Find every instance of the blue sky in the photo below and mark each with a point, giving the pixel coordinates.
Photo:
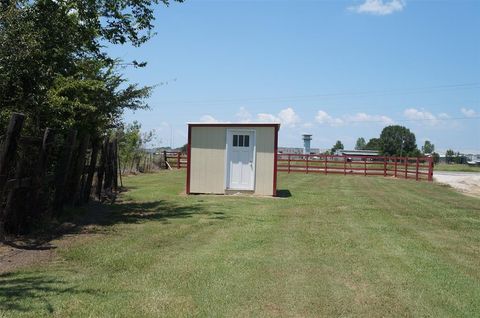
(336, 69)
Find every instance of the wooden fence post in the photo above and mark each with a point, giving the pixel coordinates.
(9, 149)
(91, 171)
(101, 169)
(307, 164)
(78, 171)
(289, 159)
(365, 166)
(430, 169)
(178, 160)
(384, 166)
(406, 167)
(416, 170)
(62, 173)
(395, 158)
(165, 159)
(326, 161)
(40, 170)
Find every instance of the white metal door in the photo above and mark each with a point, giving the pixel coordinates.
(240, 159)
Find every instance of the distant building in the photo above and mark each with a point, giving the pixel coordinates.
(343, 152)
(296, 151)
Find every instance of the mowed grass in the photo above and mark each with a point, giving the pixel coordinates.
(456, 167)
(339, 246)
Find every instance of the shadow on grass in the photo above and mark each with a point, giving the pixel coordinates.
(25, 292)
(284, 193)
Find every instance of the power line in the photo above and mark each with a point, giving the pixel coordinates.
(420, 90)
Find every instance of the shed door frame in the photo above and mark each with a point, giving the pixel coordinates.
(229, 137)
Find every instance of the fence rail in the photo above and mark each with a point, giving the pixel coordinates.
(175, 159)
(403, 167)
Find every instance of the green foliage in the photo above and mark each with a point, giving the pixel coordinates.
(131, 145)
(436, 157)
(53, 67)
(338, 145)
(449, 155)
(373, 144)
(398, 141)
(360, 144)
(428, 147)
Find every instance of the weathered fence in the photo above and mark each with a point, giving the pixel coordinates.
(420, 168)
(40, 175)
(175, 159)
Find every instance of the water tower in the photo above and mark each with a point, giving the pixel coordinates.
(306, 143)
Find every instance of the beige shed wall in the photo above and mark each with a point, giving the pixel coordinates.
(207, 166)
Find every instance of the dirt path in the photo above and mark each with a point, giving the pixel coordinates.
(465, 182)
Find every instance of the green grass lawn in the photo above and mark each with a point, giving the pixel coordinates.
(339, 246)
(456, 167)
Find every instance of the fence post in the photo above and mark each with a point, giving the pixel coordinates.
(41, 168)
(101, 168)
(365, 166)
(307, 164)
(406, 167)
(344, 165)
(384, 166)
(178, 160)
(62, 173)
(430, 169)
(9, 150)
(91, 171)
(289, 158)
(416, 170)
(395, 159)
(78, 171)
(326, 161)
(165, 158)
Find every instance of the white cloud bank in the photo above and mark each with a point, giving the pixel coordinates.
(208, 119)
(379, 7)
(323, 118)
(468, 112)
(421, 115)
(286, 117)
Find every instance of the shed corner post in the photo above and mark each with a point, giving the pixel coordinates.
(189, 157)
(275, 159)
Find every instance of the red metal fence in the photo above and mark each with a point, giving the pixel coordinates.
(176, 160)
(403, 167)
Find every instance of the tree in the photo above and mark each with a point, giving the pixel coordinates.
(397, 141)
(373, 144)
(52, 59)
(428, 147)
(436, 157)
(449, 155)
(360, 145)
(338, 145)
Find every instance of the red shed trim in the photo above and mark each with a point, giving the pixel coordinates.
(275, 157)
(189, 154)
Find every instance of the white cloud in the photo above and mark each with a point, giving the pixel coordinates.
(379, 7)
(286, 117)
(267, 118)
(468, 112)
(323, 117)
(243, 115)
(208, 119)
(421, 115)
(308, 125)
(363, 117)
(443, 116)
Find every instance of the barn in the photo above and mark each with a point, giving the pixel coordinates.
(227, 158)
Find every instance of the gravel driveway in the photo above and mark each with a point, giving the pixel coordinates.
(466, 182)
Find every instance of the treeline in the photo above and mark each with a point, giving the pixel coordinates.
(397, 141)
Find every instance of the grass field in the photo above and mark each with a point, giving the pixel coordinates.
(338, 246)
(456, 167)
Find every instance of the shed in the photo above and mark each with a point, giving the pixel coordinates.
(225, 158)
